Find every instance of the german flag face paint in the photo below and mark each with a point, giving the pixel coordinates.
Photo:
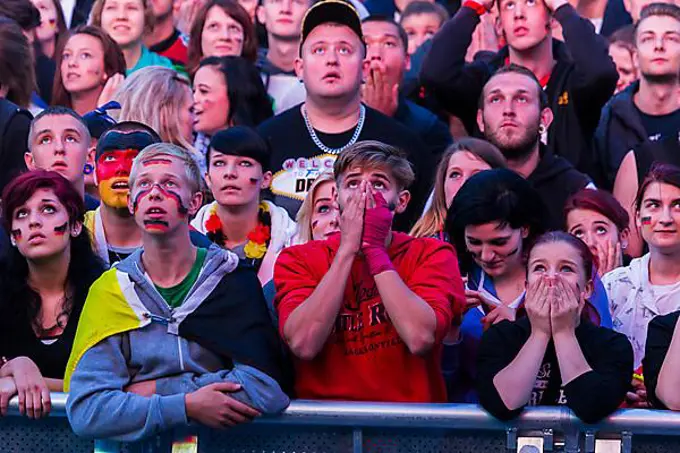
(113, 172)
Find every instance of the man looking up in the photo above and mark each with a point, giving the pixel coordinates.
(306, 140)
(513, 113)
(60, 141)
(369, 299)
(577, 75)
(175, 333)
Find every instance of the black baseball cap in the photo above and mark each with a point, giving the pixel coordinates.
(336, 11)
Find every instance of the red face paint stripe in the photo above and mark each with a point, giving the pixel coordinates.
(168, 193)
(16, 234)
(156, 161)
(646, 220)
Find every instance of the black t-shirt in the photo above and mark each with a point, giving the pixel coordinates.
(660, 126)
(296, 161)
(18, 339)
(659, 335)
(592, 396)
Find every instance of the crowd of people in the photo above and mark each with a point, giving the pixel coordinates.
(211, 207)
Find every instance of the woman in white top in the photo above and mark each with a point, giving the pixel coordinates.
(650, 285)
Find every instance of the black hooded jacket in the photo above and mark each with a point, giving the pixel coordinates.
(582, 81)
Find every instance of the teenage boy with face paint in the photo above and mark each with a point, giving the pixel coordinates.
(369, 299)
(115, 233)
(199, 344)
(577, 75)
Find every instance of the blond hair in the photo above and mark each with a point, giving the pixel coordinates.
(304, 215)
(192, 172)
(154, 96)
(371, 154)
(98, 7)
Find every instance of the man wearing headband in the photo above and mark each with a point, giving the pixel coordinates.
(175, 335)
(364, 312)
(306, 140)
(114, 231)
(238, 171)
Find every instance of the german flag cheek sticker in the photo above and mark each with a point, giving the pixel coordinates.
(647, 220)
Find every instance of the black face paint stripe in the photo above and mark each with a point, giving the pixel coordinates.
(61, 229)
(16, 234)
(168, 193)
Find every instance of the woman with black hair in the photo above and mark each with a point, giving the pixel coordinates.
(492, 218)
(48, 273)
(228, 92)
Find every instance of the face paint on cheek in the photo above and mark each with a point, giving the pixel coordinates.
(180, 205)
(646, 220)
(16, 234)
(61, 229)
(156, 161)
(183, 210)
(254, 181)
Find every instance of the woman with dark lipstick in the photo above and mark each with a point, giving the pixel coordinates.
(49, 272)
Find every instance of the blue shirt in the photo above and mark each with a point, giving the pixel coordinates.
(148, 58)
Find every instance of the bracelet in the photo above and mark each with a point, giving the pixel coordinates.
(476, 7)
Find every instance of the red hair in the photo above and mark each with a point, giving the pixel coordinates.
(21, 188)
(601, 202)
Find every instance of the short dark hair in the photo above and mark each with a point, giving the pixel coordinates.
(56, 110)
(498, 195)
(388, 20)
(16, 63)
(517, 69)
(133, 126)
(423, 7)
(239, 141)
(22, 12)
(657, 9)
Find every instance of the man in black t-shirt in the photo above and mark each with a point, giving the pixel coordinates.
(306, 140)
(648, 110)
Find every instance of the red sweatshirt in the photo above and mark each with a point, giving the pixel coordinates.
(364, 359)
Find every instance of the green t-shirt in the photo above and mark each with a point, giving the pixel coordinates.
(175, 295)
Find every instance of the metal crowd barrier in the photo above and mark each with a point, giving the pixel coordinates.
(320, 427)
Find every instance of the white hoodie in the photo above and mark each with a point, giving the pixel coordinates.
(634, 302)
(283, 230)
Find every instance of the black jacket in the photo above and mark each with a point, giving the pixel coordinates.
(659, 336)
(15, 123)
(581, 82)
(556, 180)
(431, 130)
(592, 396)
(620, 129)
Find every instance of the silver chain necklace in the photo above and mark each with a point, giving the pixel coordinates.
(329, 150)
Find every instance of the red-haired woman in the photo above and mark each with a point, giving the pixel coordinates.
(90, 67)
(49, 272)
(222, 28)
(595, 217)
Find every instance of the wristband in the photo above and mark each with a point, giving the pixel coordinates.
(476, 7)
(378, 260)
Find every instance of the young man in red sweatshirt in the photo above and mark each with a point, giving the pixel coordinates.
(365, 311)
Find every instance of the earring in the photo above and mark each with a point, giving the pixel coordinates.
(13, 241)
(541, 129)
(88, 169)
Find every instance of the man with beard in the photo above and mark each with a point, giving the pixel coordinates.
(642, 124)
(307, 139)
(513, 113)
(577, 75)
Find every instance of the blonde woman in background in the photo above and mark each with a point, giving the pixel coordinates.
(161, 99)
(459, 162)
(319, 214)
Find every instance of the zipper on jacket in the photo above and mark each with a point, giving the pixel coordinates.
(181, 356)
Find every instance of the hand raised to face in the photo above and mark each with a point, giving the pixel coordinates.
(565, 303)
(538, 305)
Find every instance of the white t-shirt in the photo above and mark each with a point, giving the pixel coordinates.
(68, 6)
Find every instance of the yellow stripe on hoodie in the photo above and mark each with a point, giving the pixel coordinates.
(111, 307)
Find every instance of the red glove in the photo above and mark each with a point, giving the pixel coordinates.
(377, 226)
